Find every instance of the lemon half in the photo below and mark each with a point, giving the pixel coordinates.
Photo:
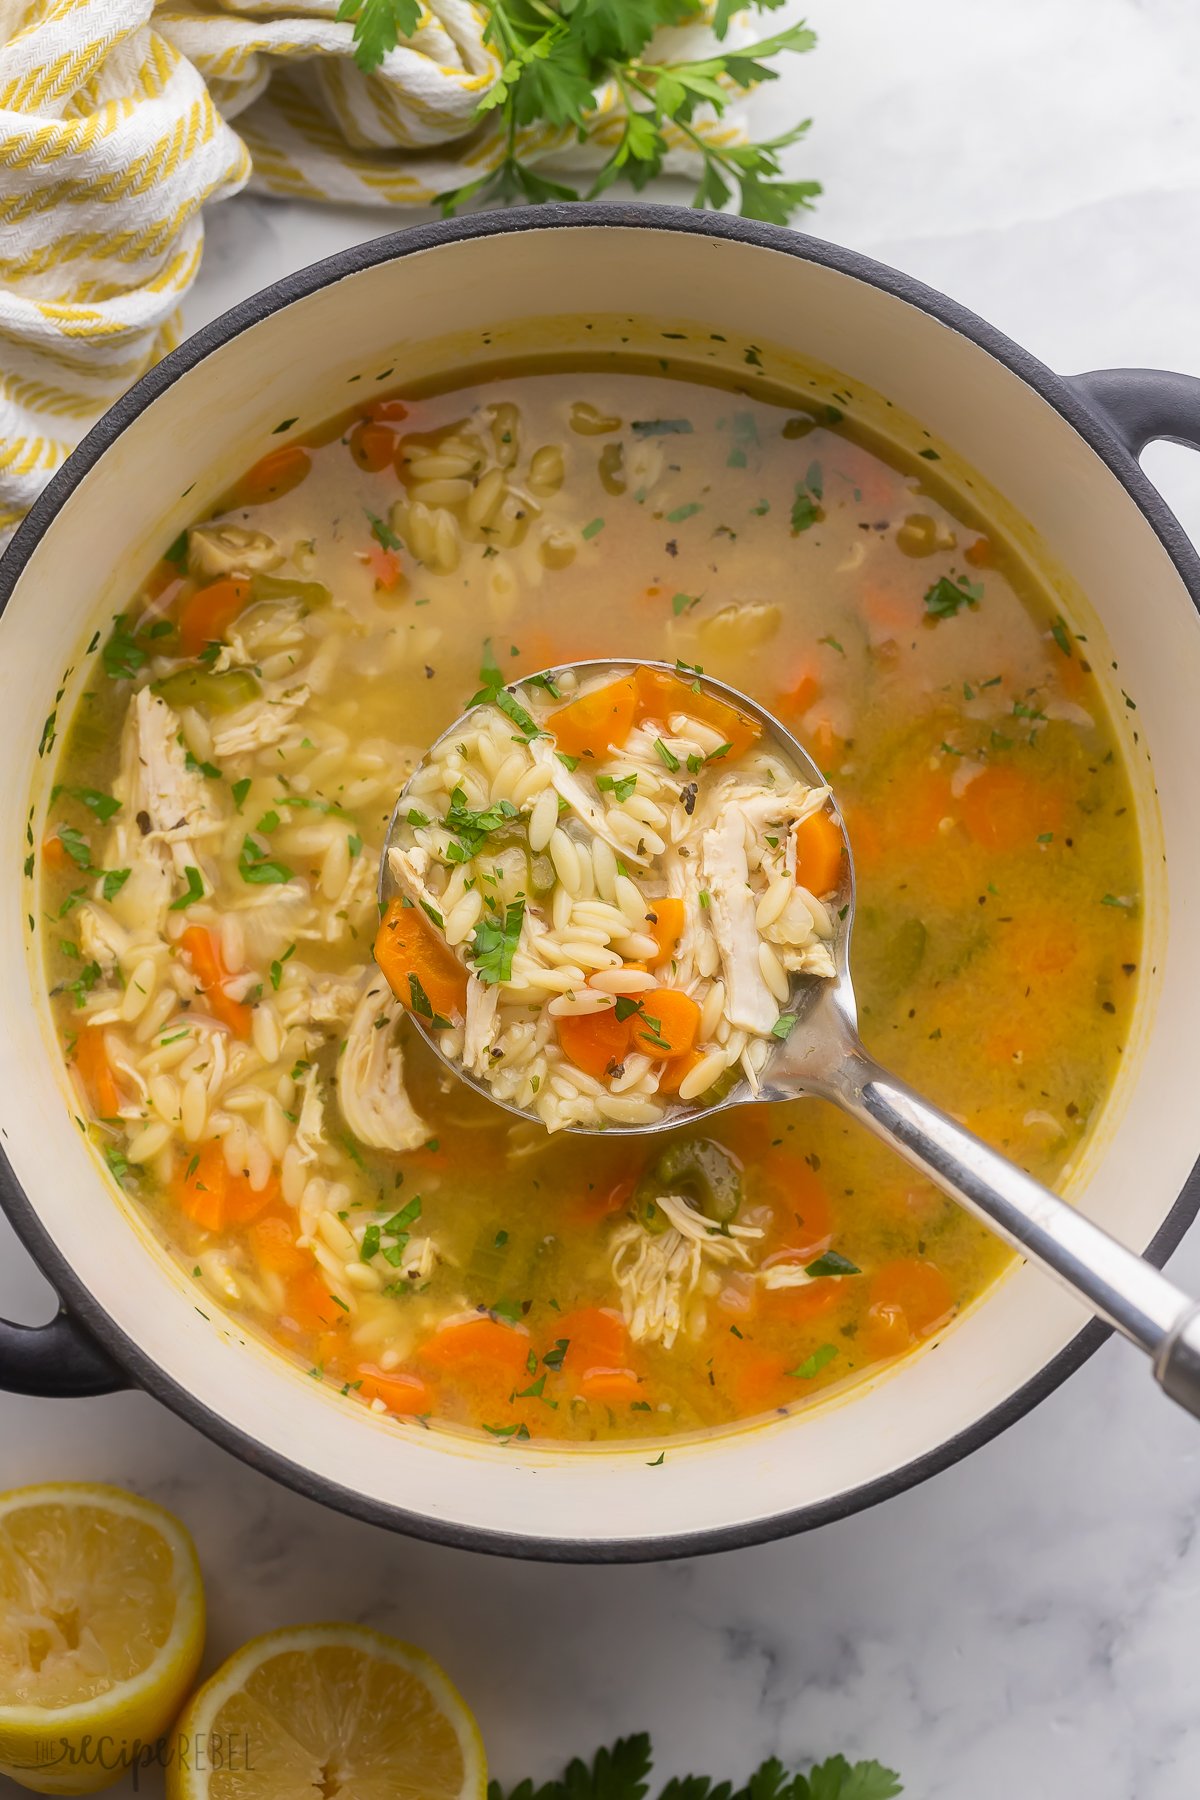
(327, 1712)
(101, 1632)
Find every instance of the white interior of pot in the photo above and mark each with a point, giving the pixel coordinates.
(429, 310)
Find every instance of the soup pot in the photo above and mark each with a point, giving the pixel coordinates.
(1057, 457)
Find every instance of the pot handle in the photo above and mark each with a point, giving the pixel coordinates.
(1141, 406)
(56, 1361)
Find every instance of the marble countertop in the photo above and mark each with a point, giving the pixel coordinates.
(1023, 1624)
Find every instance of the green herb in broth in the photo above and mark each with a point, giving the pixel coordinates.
(997, 945)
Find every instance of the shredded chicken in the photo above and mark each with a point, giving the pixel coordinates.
(259, 726)
(480, 1032)
(656, 1272)
(572, 790)
(749, 1002)
(310, 1127)
(101, 939)
(370, 1083)
(215, 550)
(167, 811)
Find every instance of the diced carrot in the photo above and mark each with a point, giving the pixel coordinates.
(200, 1184)
(308, 1304)
(419, 964)
(610, 1387)
(54, 853)
(206, 615)
(797, 698)
(203, 950)
(387, 409)
(824, 745)
(384, 566)
(594, 1041)
(660, 693)
(915, 810)
(273, 1243)
(372, 446)
(757, 1380)
(402, 1394)
(804, 1226)
(277, 473)
(979, 554)
(606, 1198)
(820, 859)
(213, 1196)
(587, 726)
(666, 928)
(483, 1341)
(597, 1338)
(800, 1304)
(908, 1299)
(674, 1070)
(866, 840)
(891, 614)
(91, 1060)
(1007, 809)
(667, 1024)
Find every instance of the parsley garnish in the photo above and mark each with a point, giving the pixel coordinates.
(667, 757)
(806, 507)
(471, 828)
(832, 1263)
(114, 881)
(493, 944)
(945, 598)
(420, 1003)
(383, 533)
(122, 655)
(620, 788)
(812, 1365)
(254, 865)
(103, 805)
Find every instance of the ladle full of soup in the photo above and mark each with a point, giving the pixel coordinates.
(648, 920)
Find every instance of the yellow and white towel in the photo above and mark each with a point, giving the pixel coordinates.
(116, 128)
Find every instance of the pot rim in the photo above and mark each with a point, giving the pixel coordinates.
(1057, 391)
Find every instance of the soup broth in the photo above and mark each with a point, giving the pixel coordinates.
(210, 865)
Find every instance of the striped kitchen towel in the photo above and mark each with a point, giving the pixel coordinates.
(120, 119)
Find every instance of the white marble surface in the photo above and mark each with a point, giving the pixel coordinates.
(1024, 1624)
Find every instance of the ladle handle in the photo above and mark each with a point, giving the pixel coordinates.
(1117, 1283)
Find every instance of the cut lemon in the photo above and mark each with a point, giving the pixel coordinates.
(101, 1631)
(327, 1712)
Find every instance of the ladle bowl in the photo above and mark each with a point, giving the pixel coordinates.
(823, 1056)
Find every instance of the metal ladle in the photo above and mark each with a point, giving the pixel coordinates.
(824, 1056)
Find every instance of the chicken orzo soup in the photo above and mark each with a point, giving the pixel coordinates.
(209, 878)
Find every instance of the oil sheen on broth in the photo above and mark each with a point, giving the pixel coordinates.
(240, 1056)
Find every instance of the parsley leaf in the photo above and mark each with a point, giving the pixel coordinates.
(378, 26)
(255, 866)
(945, 598)
(471, 828)
(493, 945)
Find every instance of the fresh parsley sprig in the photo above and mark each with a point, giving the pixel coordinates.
(623, 1773)
(557, 59)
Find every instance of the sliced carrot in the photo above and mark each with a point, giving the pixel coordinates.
(401, 1394)
(206, 615)
(610, 1387)
(916, 809)
(666, 928)
(587, 726)
(372, 446)
(979, 554)
(384, 566)
(800, 1304)
(661, 693)
(820, 853)
(277, 473)
(801, 695)
(674, 1070)
(667, 1025)
(595, 1042)
(757, 1380)
(199, 1187)
(891, 614)
(244, 1203)
(54, 854)
(866, 838)
(91, 1060)
(606, 1198)
(309, 1305)
(804, 1226)
(203, 950)
(484, 1342)
(419, 964)
(387, 409)
(908, 1299)
(273, 1244)
(597, 1337)
(1006, 809)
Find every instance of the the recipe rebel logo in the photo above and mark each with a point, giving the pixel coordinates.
(211, 1752)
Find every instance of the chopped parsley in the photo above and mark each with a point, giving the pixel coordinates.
(493, 945)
